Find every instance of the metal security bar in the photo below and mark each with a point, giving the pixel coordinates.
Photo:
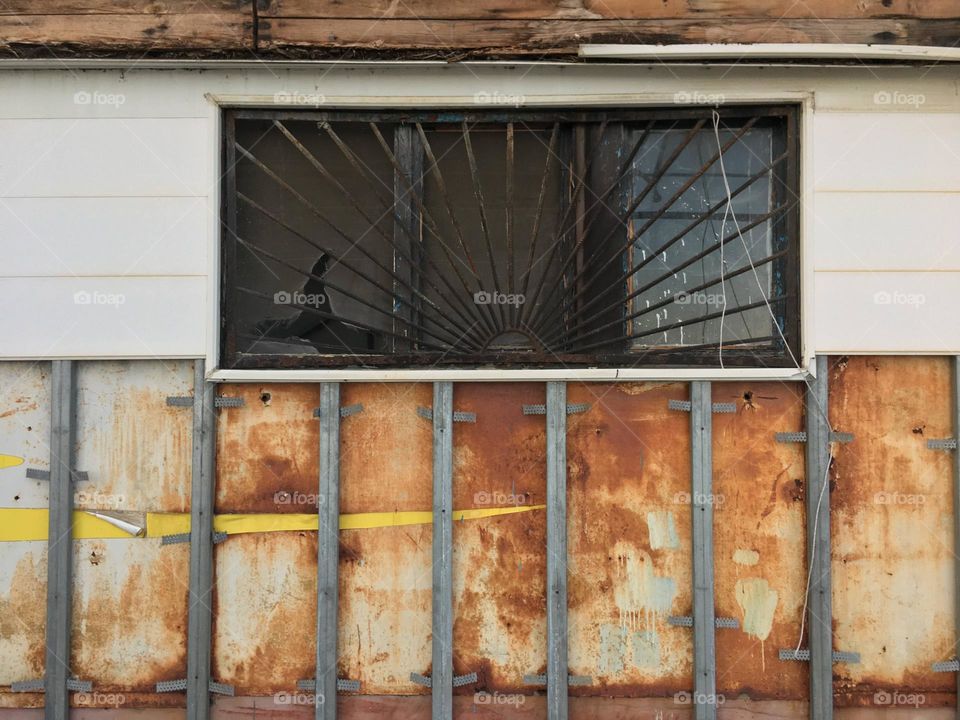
(521, 238)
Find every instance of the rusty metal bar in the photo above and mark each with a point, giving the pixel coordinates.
(819, 607)
(441, 679)
(59, 540)
(200, 613)
(955, 392)
(704, 620)
(328, 552)
(556, 438)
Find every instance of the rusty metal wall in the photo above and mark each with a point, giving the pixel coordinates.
(892, 518)
(629, 529)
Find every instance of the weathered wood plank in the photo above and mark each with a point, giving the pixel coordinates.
(602, 9)
(125, 7)
(561, 36)
(144, 32)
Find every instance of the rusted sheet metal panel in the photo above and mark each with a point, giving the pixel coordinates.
(24, 432)
(267, 450)
(129, 620)
(130, 595)
(136, 448)
(24, 442)
(759, 539)
(629, 528)
(892, 522)
(265, 606)
(499, 563)
(385, 573)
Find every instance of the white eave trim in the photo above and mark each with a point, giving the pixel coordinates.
(772, 51)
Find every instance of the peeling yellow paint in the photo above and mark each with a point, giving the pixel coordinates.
(758, 603)
(746, 557)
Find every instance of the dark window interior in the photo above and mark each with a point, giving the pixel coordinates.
(638, 238)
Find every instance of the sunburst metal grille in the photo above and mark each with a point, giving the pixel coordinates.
(663, 237)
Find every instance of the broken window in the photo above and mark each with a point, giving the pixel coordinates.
(522, 238)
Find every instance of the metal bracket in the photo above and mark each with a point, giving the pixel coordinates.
(458, 680)
(75, 475)
(180, 685)
(73, 684)
(946, 666)
(541, 679)
(219, 537)
(541, 409)
(687, 406)
(343, 685)
(942, 444)
(220, 401)
(458, 416)
(345, 411)
(801, 437)
(803, 655)
(687, 621)
(173, 540)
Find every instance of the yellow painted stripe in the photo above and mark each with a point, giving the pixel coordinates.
(31, 524)
(10, 461)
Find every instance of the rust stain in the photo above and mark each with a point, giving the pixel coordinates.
(23, 405)
(499, 564)
(385, 579)
(891, 526)
(265, 610)
(130, 615)
(759, 539)
(23, 617)
(267, 453)
(628, 456)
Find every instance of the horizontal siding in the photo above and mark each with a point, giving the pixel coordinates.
(887, 231)
(112, 317)
(887, 312)
(886, 151)
(103, 236)
(114, 157)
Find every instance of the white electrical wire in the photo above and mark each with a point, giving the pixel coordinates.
(773, 318)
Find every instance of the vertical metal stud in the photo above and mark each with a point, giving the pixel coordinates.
(955, 393)
(704, 628)
(200, 615)
(556, 439)
(819, 608)
(328, 552)
(441, 679)
(59, 540)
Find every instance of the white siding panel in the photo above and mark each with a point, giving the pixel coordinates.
(887, 231)
(106, 317)
(887, 312)
(103, 236)
(83, 158)
(886, 151)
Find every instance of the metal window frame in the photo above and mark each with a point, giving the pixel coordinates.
(803, 101)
